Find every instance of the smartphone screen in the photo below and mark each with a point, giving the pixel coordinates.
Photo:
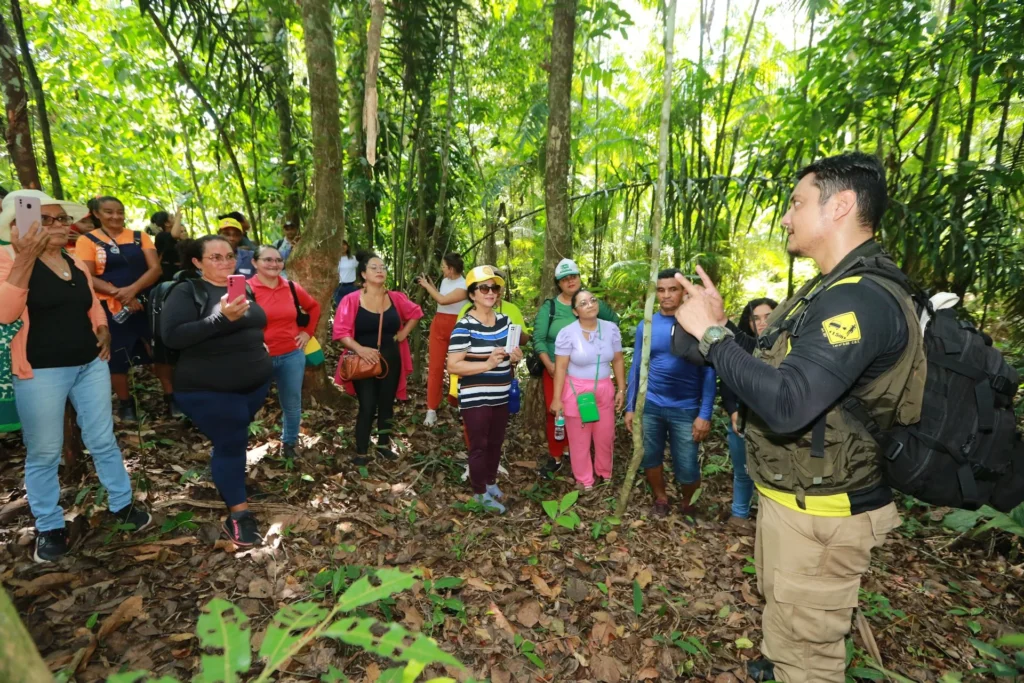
(26, 212)
(236, 286)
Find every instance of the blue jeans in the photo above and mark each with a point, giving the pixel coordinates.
(742, 484)
(677, 427)
(41, 402)
(289, 369)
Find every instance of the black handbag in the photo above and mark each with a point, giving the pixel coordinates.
(533, 362)
(301, 317)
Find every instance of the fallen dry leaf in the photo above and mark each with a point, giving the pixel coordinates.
(695, 574)
(500, 621)
(648, 673)
(528, 613)
(748, 594)
(43, 583)
(644, 577)
(260, 588)
(478, 584)
(127, 611)
(542, 587)
(372, 672)
(605, 668)
(499, 675)
(225, 545)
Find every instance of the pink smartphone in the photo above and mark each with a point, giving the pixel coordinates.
(236, 286)
(26, 212)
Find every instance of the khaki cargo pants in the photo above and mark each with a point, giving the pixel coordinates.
(808, 570)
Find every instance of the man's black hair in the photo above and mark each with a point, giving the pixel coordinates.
(668, 273)
(237, 215)
(862, 173)
(159, 219)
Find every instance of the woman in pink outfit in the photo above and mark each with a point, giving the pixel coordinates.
(587, 353)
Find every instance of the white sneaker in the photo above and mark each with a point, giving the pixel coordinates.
(501, 470)
(431, 419)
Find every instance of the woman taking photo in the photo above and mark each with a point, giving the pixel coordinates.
(586, 354)
(292, 316)
(754, 320)
(450, 298)
(553, 315)
(346, 274)
(223, 373)
(476, 353)
(124, 265)
(62, 355)
(375, 323)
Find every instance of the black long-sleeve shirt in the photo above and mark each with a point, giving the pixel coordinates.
(216, 353)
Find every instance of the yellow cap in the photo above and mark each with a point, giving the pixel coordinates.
(230, 223)
(481, 274)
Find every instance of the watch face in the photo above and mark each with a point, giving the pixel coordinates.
(715, 333)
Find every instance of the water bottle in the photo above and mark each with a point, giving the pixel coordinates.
(121, 315)
(513, 397)
(560, 427)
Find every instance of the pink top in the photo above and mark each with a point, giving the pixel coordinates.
(344, 326)
(13, 306)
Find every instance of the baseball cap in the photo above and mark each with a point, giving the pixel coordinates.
(482, 273)
(565, 268)
(229, 223)
(76, 211)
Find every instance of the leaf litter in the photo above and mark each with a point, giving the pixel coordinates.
(636, 600)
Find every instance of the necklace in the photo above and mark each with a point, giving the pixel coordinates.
(61, 270)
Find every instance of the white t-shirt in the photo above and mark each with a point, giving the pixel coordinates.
(447, 287)
(347, 269)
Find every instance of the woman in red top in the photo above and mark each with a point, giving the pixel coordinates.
(292, 315)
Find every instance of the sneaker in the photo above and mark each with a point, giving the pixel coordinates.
(126, 411)
(50, 546)
(386, 453)
(660, 509)
(172, 407)
(489, 503)
(361, 460)
(550, 466)
(288, 451)
(431, 419)
(761, 670)
(242, 532)
(742, 525)
(465, 472)
(134, 514)
(495, 492)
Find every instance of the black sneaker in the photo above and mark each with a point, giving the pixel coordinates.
(126, 411)
(361, 460)
(242, 532)
(761, 670)
(386, 453)
(50, 546)
(550, 466)
(135, 515)
(288, 451)
(172, 407)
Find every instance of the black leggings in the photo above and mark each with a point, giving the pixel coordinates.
(377, 398)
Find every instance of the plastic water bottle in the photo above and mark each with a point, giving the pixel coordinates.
(513, 397)
(121, 315)
(560, 427)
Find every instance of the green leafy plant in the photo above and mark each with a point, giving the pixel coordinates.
(602, 527)
(638, 598)
(963, 521)
(438, 593)
(223, 633)
(561, 513)
(182, 520)
(528, 649)
(998, 663)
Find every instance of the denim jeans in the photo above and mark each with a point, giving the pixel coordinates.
(677, 427)
(742, 484)
(289, 369)
(41, 403)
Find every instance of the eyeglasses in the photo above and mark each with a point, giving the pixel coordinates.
(583, 303)
(219, 258)
(377, 269)
(48, 221)
(271, 260)
(487, 289)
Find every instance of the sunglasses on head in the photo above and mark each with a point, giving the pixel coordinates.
(487, 289)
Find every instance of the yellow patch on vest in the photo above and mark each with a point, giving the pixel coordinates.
(842, 329)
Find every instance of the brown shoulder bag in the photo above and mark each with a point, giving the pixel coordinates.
(353, 367)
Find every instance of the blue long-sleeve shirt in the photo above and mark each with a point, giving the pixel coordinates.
(672, 382)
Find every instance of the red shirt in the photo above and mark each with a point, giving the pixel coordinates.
(278, 304)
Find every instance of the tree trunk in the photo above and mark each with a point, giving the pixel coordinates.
(658, 221)
(19, 133)
(283, 107)
(19, 658)
(316, 256)
(40, 97)
(558, 241)
(372, 65)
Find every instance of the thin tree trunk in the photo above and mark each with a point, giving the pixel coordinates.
(283, 107)
(18, 133)
(372, 65)
(558, 238)
(442, 191)
(19, 658)
(40, 97)
(658, 221)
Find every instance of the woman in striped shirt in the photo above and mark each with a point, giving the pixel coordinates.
(476, 353)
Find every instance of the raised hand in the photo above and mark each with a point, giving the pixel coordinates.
(702, 307)
(32, 243)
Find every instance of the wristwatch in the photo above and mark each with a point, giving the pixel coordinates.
(712, 336)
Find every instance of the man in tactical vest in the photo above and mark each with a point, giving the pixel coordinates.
(844, 335)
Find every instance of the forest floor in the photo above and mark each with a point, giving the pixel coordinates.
(634, 599)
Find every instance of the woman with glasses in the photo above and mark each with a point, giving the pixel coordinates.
(292, 316)
(477, 354)
(223, 373)
(125, 265)
(552, 316)
(364, 317)
(587, 352)
(61, 356)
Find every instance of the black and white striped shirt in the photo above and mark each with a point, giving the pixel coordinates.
(478, 341)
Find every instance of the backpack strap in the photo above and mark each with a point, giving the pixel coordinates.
(137, 238)
(95, 239)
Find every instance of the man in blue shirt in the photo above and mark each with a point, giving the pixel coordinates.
(680, 398)
(231, 230)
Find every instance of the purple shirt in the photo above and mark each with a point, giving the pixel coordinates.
(583, 352)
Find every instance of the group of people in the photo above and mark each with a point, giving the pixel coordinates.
(783, 372)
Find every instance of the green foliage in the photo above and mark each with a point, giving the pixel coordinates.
(223, 633)
(997, 662)
(528, 649)
(963, 521)
(559, 511)
(638, 598)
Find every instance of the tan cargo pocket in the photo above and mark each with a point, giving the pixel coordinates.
(816, 592)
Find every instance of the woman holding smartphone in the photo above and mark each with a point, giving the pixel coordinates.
(477, 354)
(224, 370)
(450, 298)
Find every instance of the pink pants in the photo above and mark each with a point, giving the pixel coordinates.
(600, 434)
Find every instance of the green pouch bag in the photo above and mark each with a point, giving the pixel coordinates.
(587, 404)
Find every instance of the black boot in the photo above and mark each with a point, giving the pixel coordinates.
(172, 408)
(761, 670)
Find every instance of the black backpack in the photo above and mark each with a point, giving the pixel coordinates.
(158, 296)
(965, 451)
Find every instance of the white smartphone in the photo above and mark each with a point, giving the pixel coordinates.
(26, 212)
(512, 341)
